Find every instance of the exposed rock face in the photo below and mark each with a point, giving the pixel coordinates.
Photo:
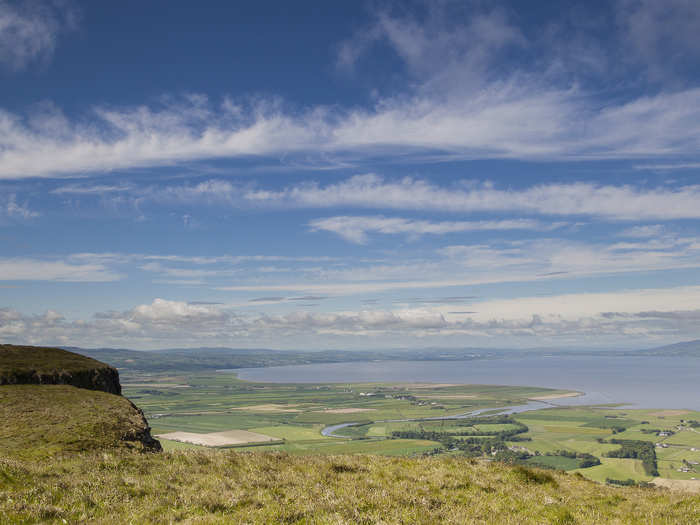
(143, 434)
(105, 379)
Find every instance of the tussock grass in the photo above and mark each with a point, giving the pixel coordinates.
(232, 487)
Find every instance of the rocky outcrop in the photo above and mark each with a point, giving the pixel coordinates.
(31, 365)
(105, 379)
(142, 434)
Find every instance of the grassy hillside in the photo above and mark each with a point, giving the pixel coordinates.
(72, 455)
(230, 487)
(16, 359)
(41, 365)
(39, 421)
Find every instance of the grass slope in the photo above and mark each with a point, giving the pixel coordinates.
(16, 359)
(230, 487)
(38, 421)
(42, 365)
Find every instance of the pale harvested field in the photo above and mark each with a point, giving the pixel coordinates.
(218, 439)
(684, 485)
(346, 410)
(555, 396)
(271, 407)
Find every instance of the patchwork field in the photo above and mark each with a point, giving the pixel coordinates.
(219, 410)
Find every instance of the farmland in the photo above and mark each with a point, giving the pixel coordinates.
(402, 419)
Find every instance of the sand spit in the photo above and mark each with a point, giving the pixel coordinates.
(556, 396)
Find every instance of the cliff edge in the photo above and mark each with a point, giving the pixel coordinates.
(53, 401)
(34, 365)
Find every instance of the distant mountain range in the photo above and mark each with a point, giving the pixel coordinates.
(207, 358)
(685, 349)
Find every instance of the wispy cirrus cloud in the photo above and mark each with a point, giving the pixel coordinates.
(356, 228)
(11, 209)
(29, 30)
(489, 126)
(526, 260)
(611, 202)
(462, 98)
(27, 269)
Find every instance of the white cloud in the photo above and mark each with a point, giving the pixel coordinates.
(611, 202)
(25, 269)
(643, 232)
(460, 101)
(92, 189)
(468, 265)
(521, 127)
(356, 229)
(10, 208)
(632, 316)
(29, 30)
(669, 167)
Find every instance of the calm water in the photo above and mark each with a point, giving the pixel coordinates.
(643, 382)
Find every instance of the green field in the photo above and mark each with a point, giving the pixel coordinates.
(296, 413)
(616, 468)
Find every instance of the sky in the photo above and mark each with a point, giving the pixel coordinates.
(350, 175)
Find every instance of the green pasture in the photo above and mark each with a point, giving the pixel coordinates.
(291, 432)
(296, 413)
(170, 445)
(615, 468)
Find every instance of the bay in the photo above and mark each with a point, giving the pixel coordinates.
(634, 381)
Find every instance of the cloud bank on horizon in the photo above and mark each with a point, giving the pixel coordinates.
(540, 163)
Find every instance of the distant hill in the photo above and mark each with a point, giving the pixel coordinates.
(197, 359)
(684, 349)
(55, 366)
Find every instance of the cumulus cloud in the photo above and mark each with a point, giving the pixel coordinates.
(165, 322)
(29, 30)
(356, 229)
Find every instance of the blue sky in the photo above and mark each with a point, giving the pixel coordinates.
(350, 175)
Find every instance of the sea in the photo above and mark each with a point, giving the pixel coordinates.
(632, 381)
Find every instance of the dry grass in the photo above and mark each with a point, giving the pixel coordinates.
(228, 487)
